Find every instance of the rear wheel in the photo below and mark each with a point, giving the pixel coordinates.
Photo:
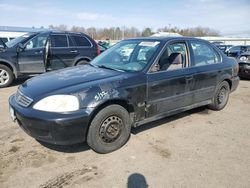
(221, 96)
(6, 76)
(82, 62)
(109, 130)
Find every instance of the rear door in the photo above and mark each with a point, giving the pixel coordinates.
(31, 59)
(61, 55)
(83, 46)
(207, 62)
(170, 85)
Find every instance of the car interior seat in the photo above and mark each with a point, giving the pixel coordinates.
(175, 61)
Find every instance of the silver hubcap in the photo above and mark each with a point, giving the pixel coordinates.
(4, 77)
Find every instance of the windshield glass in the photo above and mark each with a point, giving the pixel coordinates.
(17, 40)
(128, 56)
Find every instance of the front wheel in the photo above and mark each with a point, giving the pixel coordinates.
(221, 96)
(109, 130)
(6, 76)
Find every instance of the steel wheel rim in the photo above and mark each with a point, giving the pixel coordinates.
(110, 129)
(222, 95)
(4, 77)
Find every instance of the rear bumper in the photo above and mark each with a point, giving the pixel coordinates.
(54, 128)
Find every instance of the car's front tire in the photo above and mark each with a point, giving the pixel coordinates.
(221, 97)
(6, 76)
(109, 129)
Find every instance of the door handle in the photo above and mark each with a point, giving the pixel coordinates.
(73, 51)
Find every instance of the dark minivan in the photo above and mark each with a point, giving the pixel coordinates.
(40, 52)
(134, 82)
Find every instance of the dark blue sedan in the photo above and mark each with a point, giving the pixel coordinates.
(134, 82)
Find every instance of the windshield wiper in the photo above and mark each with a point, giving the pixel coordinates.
(106, 67)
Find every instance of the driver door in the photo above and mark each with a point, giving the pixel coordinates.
(32, 58)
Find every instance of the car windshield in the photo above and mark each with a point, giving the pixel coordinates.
(129, 56)
(17, 40)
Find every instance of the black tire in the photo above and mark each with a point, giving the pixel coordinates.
(221, 97)
(82, 62)
(109, 130)
(6, 76)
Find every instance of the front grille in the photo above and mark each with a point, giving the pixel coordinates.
(22, 100)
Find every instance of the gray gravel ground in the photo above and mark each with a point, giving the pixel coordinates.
(198, 148)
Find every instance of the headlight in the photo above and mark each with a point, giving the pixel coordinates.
(58, 103)
(243, 58)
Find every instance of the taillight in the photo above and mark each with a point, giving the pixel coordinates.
(98, 50)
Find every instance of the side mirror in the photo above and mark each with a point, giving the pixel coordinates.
(20, 47)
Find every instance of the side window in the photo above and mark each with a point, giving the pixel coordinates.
(4, 39)
(37, 42)
(204, 54)
(234, 48)
(59, 41)
(174, 57)
(80, 41)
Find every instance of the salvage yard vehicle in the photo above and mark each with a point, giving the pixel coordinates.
(244, 65)
(40, 52)
(235, 51)
(224, 48)
(101, 101)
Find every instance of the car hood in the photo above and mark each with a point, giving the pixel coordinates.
(65, 78)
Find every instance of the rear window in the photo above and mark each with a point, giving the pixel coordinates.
(59, 41)
(77, 40)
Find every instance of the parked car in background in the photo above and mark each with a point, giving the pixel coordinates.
(235, 51)
(6, 39)
(36, 53)
(101, 101)
(103, 45)
(224, 48)
(244, 65)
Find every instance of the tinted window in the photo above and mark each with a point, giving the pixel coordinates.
(204, 54)
(37, 41)
(4, 40)
(235, 48)
(80, 41)
(59, 41)
(174, 57)
(71, 41)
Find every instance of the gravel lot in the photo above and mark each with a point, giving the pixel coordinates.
(198, 148)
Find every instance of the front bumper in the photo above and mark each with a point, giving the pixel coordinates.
(54, 128)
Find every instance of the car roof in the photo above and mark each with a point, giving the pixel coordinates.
(166, 38)
(60, 32)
